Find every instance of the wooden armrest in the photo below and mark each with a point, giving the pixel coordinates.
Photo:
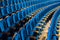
(38, 27)
(32, 38)
(58, 26)
(57, 34)
(58, 30)
(36, 31)
(41, 23)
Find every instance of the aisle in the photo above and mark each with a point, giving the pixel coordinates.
(45, 31)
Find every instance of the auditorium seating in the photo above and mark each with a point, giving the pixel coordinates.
(53, 32)
(26, 19)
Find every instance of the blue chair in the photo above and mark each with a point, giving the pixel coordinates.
(32, 23)
(13, 8)
(24, 34)
(27, 11)
(17, 37)
(15, 18)
(16, 6)
(30, 10)
(29, 30)
(0, 13)
(2, 26)
(35, 21)
(23, 4)
(19, 6)
(1, 3)
(5, 2)
(9, 38)
(12, 2)
(10, 9)
(4, 11)
(21, 1)
(19, 15)
(17, 1)
(9, 2)
(10, 21)
(23, 14)
(27, 3)
(5, 25)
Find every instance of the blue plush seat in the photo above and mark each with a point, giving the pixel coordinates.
(24, 34)
(4, 11)
(9, 9)
(18, 37)
(10, 21)
(2, 26)
(15, 18)
(13, 8)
